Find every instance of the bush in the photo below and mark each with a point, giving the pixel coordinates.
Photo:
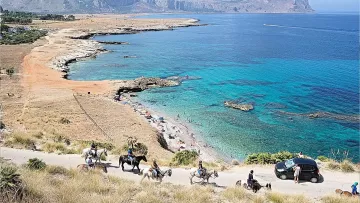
(52, 147)
(36, 164)
(346, 166)
(323, 158)
(103, 157)
(267, 158)
(53, 170)
(100, 145)
(333, 165)
(26, 36)
(339, 199)
(64, 121)
(185, 157)
(20, 139)
(10, 71)
(38, 135)
(10, 184)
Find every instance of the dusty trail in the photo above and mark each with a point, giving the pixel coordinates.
(264, 174)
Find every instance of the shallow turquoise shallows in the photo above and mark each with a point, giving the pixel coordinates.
(278, 62)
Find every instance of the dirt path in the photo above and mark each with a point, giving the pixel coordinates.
(264, 174)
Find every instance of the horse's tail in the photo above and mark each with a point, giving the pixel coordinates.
(120, 159)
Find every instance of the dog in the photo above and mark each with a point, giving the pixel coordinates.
(343, 193)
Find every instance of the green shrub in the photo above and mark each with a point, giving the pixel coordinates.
(185, 157)
(25, 36)
(346, 166)
(103, 157)
(36, 164)
(10, 183)
(323, 158)
(38, 135)
(267, 158)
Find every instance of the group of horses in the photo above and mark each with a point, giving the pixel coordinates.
(149, 174)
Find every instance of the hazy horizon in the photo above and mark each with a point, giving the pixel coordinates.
(335, 6)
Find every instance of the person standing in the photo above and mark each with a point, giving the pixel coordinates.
(301, 155)
(297, 171)
(354, 189)
(250, 179)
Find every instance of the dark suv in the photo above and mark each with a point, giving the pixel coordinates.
(309, 169)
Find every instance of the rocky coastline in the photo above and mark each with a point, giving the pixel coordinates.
(242, 107)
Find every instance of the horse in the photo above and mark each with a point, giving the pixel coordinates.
(135, 163)
(86, 168)
(255, 187)
(206, 176)
(86, 153)
(148, 172)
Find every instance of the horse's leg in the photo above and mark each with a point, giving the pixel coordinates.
(138, 168)
(191, 177)
(133, 167)
(122, 165)
(143, 178)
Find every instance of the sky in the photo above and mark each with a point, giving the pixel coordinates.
(335, 5)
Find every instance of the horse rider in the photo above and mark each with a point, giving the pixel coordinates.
(155, 168)
(90, 163)
(201, 169)
(250, 179)
(93, 149)
(130, 156)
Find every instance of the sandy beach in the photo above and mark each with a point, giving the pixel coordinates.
(44, 96)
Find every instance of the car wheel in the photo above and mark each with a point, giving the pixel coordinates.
(314, 180)
(283, 177)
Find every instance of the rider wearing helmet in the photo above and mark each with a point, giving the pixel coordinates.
(130, 155)
(201, 169)
(155, 168)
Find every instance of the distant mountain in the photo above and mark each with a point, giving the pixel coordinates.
(137, 6)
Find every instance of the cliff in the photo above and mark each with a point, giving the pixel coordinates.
(137, 6)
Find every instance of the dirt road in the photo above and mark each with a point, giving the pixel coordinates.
(264, 174)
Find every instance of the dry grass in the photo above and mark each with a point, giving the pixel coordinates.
(347, 166)
(338, 199)
(280, 198)
(19, 140)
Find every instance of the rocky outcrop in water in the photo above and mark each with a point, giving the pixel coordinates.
(149, 6)
(326, 115)
(141, 84)
(242, 107)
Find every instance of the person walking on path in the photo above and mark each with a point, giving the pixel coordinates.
(297, 170)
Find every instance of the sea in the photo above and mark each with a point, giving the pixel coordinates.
(286, 65)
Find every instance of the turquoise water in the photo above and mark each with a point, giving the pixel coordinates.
(281, 62)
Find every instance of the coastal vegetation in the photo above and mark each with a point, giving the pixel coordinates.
(185, 157)
(58, 184)
(267, 158)
(21, 35)
(25, 18)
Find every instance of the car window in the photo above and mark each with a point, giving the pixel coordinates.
(306, 167)
(289, 163)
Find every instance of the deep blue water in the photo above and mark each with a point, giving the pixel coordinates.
(278, 62)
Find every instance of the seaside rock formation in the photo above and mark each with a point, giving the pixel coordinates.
(141, 84)
(328, 115)
(242, 107)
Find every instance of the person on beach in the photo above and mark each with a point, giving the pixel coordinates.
(354, 189)
(297, 171)
(250, 178)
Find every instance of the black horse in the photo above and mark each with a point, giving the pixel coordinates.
(135, 163)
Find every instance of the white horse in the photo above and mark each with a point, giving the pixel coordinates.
(206, 176)
(86, 153)
(150, 174)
